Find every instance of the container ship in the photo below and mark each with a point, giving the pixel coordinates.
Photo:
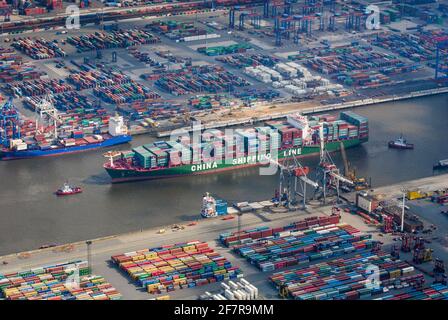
(14, 145)
(298, 136)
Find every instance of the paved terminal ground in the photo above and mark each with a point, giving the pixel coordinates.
(209, 230)
(262, 42)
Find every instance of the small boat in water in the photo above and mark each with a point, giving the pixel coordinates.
(68, 190)
(400, 143)
(440, 165)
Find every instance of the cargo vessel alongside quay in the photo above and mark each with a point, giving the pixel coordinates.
(14, 145)
(298, 137)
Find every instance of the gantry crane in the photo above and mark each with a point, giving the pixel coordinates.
(328, 172)
(349, 173)
(46, 108)
(293, 182)
(9, 123)
(441, 58)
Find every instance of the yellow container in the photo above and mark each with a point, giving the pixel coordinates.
(220, 271)
(151, 255)
(394, 274)
(167, 297)
(152, 287)
(413, 195)
(138, 257)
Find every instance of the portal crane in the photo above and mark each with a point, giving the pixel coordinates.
(293, 181)
(328, 171)
(441, 57)
(46, 108)
(359, 183)
(9, 123)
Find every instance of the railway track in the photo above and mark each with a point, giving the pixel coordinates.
(116, 14)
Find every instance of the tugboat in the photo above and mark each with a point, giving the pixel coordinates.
(440, 165)
(400, 143)
(67, 190)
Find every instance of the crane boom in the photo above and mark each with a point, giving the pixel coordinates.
(309, 181)
(341, 178)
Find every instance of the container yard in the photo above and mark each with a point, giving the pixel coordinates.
(299, 68)
(332, 281)
(115, 39)
(187, 265)
(247, 58)
(53, 283)
(207, 79)
(205, 270)
(39, 48)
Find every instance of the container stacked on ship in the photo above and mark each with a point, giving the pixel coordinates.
(215, 151)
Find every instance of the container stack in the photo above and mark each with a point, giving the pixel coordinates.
(125, 93)
(299, 247)
(159, 154)
(233, 290)
(178, 153)
(344, 278)
(38, 87)
(181, 31)
(184, 265)
(434, 292)
(241, 61)
(38, 48)
(230, 239)
(221, 50)
(208, 102)
(256, 95)
(357, 120)
(154, 110)
(94, 78)
(114, 39)
(200, 79)
(248, 139)
(12, 67)
(76, 112)
(416, 47)
(144, 158)
(53, 283)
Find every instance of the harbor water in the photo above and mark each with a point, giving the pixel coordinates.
(31, 215)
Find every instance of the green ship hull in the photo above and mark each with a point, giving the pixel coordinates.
(123, 174)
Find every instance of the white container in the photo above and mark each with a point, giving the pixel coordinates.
(250, 291)
(229, 295)
(225, 286)
(21, 146)
(277, 85)
(237, 295)
(255, 290)
(244, 281)
(243, 294)
(233, 285)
